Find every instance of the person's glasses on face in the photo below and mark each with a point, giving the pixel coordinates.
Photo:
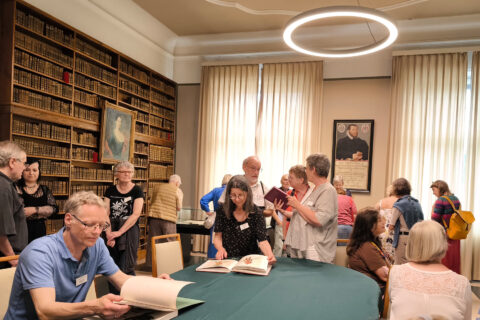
(239, 196)
(92, 227)
(124, 172)
(255, 168)
(21, 161)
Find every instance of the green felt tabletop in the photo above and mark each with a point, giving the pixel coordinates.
(294, 289)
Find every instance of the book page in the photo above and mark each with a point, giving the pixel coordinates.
(254, 262)
(152, 293)
(217, 265)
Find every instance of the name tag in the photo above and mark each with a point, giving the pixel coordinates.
(81, 280)
(127, 199)
(244, 226)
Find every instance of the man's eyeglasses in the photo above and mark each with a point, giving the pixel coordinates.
(255, 168)
(92, 227)
(125, 172)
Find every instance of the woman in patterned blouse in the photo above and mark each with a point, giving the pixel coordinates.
(240, 226)
(442, 211)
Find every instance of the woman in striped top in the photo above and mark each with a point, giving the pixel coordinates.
(442, 211)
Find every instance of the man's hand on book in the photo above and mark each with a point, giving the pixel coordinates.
(221, 254)
(107, 309)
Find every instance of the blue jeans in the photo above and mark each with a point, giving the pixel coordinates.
(343, 232)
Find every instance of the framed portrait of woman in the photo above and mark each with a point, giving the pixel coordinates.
(117, 134)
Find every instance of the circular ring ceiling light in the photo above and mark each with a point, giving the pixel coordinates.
(341, 11)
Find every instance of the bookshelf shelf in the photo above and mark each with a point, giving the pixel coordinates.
(84, 55)
(41, 91)
(44, 57)
(39, 138)
(53, 41)
(95, 78)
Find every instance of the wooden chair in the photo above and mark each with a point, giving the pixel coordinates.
(6, 279)
(166, 256)
(386, 304)
(341, 258)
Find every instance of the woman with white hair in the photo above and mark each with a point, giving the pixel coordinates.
(424, 285)
(124, 204)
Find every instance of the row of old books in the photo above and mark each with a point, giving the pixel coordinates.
(160, 172)
(92, 174)
(140, 174)
(142, 116)
(53, 225)
(61, 205)
(79, 153)
(95, 86)
(53, 167)
(133, 71)
(163, 100)
(49, 30)
(36, 148)
(159, 153)
(141, 147)
(90, 50)
(163, 112)
(161, 134)
(87, 98)
(85, 113)
(84, 138)
(139, 161)
(93, 70)
(41, 129)
(41, 101)
(159, 84)
(56, 186)
(41, 48)
(162, 123)
(99, 190)
(42, 83)
(37, 64)
(141, 128)
(134, 88)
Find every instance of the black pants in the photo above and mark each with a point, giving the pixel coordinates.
(36, 229)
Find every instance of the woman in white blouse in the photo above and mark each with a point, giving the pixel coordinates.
(424, 286)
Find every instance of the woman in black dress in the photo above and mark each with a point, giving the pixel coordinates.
(124, 202)
(240, 226)
(38, 200)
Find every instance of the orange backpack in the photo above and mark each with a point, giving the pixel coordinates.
(460, 222)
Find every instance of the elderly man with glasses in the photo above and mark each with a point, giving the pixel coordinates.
(55, 272)
(13, 225)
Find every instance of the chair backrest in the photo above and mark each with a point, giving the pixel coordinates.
(166, 256)
(341, 258)
(386, 296)
(6, 279)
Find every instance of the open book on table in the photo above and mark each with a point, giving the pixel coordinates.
(252, 264)
(156, 294)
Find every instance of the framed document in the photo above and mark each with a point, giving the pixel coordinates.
(117, 134)
(352, 153)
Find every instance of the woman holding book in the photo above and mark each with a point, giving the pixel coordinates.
(124, 203)
(313, 228)
(240, 226)
(298, 180)
(38, 200)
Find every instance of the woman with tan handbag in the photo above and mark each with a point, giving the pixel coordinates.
(442, 211)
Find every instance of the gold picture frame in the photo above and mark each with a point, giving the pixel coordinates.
(117, 134)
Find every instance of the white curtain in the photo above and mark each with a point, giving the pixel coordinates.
(288, 127)
(471, 247)
(433, 133)
(227, 121)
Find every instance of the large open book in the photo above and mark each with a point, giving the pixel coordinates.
(155, 293)
(252, 264)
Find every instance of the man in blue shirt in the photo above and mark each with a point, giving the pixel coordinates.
(55, 272)
(213, 196)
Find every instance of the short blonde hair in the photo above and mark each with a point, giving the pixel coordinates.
(123, 164)
(427, 242)
(226, 178)
(81, 198)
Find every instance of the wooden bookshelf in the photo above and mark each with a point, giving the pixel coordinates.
(54, 82)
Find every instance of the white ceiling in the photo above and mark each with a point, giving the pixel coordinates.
(202, 17)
